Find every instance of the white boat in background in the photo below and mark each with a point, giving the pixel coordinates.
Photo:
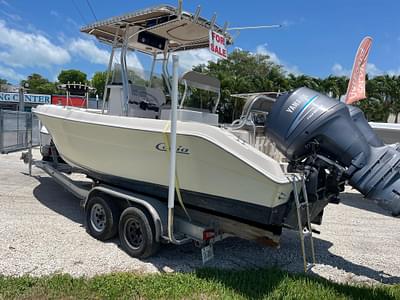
(388, 132)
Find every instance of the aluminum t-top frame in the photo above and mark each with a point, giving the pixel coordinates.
(156, 31)
(166, 27)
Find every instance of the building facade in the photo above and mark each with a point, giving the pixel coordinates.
(10, 101)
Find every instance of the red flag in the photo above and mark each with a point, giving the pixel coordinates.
(356, 87)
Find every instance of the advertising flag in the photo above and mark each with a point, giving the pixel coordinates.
(356, 87)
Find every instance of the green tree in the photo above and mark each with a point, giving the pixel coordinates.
(243, 72)
(71, 76)
(377, 106)
(98, 82)
(303, 80)
(334, 86)
(38, 84)
(3, 85)
(396, 98)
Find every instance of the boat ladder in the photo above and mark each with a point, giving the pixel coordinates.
(303, 232)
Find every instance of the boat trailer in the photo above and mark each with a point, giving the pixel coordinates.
(163, 222)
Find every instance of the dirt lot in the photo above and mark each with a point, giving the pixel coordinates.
(42, 232)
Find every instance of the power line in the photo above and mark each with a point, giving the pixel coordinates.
(79, 12)
(91, 9)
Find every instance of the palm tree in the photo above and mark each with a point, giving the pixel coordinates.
(329, 86)
(303, 80)
(377, 106)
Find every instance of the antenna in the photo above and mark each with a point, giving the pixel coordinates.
(256, 27)
(225, 28)
(180, 8)
(197, 13)
(213, 19)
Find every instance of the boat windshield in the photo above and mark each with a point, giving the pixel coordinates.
(138, 77)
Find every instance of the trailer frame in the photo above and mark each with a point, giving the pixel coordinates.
(204, 230)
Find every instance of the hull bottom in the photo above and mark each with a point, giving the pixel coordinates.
(264, 217)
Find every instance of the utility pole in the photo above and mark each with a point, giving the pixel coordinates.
(21, 95)
(21, 106)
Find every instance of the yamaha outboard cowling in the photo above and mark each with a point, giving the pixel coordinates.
(362, 124)
(306, 123)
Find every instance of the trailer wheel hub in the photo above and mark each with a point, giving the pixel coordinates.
(98, 217)
(134, 234)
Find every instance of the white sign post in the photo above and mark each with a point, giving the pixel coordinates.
(218, 45)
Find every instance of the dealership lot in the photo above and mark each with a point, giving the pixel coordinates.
(43, 233)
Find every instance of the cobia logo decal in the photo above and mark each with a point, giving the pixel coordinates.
(179, 149)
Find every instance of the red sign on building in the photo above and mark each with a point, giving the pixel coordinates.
(73, 101)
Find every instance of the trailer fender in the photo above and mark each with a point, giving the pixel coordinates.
(156, 209)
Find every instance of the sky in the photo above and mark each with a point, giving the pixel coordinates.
(317, 38)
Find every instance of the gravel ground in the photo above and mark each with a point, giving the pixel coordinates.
(42, 233)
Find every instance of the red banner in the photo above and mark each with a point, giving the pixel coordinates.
(73, 101)
(356, 87)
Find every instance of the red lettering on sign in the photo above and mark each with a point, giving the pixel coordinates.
(218, 44)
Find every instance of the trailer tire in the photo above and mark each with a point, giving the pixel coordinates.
(137, 233)
(102, 217)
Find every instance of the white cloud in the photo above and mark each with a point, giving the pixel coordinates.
(372, 70)
(23, 49)
(73, 22)
(338, 70)
(394, 72)
(262, 49)
(133, 61)
(5, 3)
(189, 59)
(13, 17)
(287, 23)
(10, 74)
(33, 30)
(88, 50)
(54, 13)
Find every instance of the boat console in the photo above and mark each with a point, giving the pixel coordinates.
(151, 102)
(144, 102)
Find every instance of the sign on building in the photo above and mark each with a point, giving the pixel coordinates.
(28, 98)
(218, 45)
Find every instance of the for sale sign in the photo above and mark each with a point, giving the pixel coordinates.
(218, 45)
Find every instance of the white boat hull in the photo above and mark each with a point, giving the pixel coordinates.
(215, 169)
(388, 132)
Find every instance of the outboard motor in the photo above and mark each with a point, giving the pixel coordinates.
(362, 124)
(316, 131)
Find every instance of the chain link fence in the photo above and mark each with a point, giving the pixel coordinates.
(17, 130)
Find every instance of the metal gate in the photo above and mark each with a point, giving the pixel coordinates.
(17, 130)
